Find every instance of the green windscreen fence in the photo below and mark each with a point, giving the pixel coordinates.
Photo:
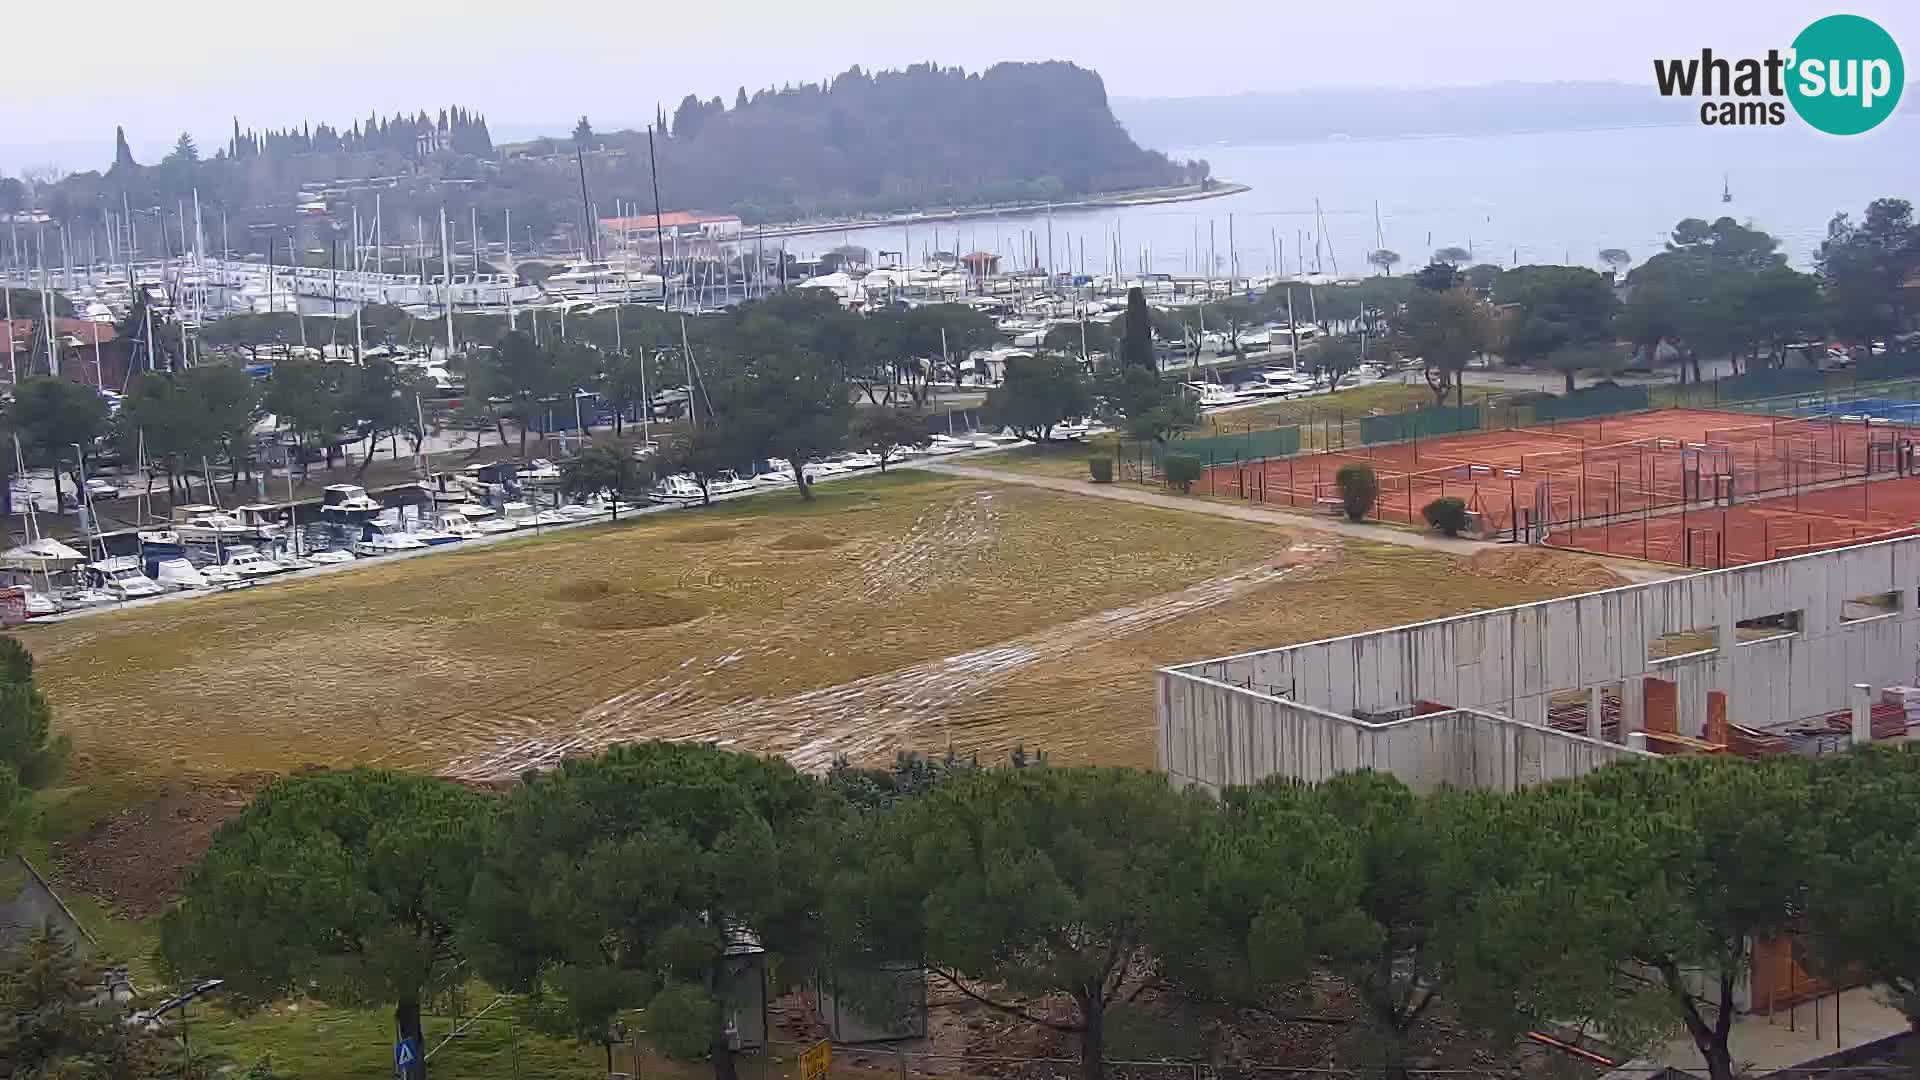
(1599, 401)
(1420, 423)
(1889, 366)
(1772, 383)
(1228, 448)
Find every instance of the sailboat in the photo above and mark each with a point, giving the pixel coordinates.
(1726, 189)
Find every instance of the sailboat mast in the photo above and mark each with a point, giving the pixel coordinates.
(659, 234)
(13, 365)
(686, 349)
(446, 263)
(360, 289)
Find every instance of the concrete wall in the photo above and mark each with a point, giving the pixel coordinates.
(1510, 660)
(1217, 735)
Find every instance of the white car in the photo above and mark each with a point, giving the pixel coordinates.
(100, 488)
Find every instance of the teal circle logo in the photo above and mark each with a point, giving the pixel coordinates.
(1846, 75)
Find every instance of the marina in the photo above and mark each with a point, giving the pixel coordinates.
(207, 550)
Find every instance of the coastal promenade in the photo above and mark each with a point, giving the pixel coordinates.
(1118, 200)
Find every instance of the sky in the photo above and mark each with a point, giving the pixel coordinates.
(535, 67)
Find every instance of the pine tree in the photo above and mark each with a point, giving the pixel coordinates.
(184, 152)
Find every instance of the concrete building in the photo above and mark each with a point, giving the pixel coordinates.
(639, 230)
(1789, 654)
(88, 352)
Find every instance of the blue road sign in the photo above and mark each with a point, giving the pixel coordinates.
(405, 1054)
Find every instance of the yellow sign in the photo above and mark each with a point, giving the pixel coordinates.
(815, 1060)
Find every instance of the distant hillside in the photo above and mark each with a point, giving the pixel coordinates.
(1375, 113)
(865, 143)
(926, 136)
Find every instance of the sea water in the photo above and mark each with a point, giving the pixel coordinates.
(1546, 197)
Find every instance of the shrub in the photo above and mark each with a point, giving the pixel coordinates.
(1101, 469)
(1182, 470)
(1449, 515)
(1358, 489)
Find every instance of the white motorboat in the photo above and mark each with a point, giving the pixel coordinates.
(678, 490)
(1214, 396)
(221, 577)
(290, 561)
(178, 574)
(513, 515)
(600, 508)
(544, 518)
(728, 482)
(262, 518)
(251, 564)
(202, 524)
(384, 538)
(347, 504)
(430, 532)
(604, 282)
(123, 577)
(858, 459)
(947, 444)
(458, 525)
(38, 604)
(330, 558)
(82, 597)
(540, 473)
(825, 468)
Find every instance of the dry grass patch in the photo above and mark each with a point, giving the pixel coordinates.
(804, 540)
(424, 662)
(583, 591)
(1097, 706)
(635, 609)
(703, 534)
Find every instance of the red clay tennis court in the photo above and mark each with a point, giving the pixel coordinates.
(1612, 484)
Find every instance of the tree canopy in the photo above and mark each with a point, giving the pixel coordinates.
(1719, 288)
(1039, 881)
(1447, 328)
(347, 886)
(605, 468)
(1868, 267)
(1136, 337)
(620, 881)
(1039, 393)
(56, 1025)
(883, 430)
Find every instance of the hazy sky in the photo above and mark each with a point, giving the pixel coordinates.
(160, 69)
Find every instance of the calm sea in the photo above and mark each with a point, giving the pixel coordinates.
(1546, 197)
